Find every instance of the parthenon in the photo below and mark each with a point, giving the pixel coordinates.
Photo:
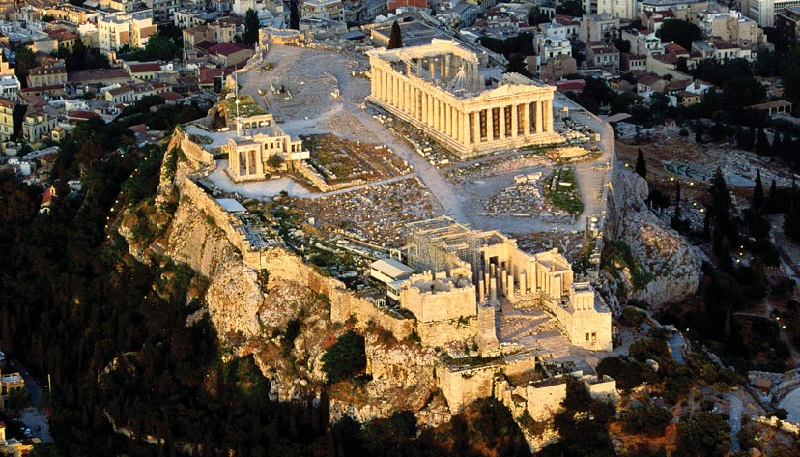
(438, 88)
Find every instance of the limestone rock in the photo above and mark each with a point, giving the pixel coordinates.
(669, 257)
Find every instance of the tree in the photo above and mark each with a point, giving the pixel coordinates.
(171, 31)
(396, 37)
(705, 434)
(641, 167)
(160, 48)
(275, 161)
(251, 26)
(345, 358)
(24, 60)
(758, 193)
(570, 8)
(762, 143)
(682, 32)
(294, 15)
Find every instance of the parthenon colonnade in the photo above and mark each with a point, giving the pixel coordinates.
(437, 88)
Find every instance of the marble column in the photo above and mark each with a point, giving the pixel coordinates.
(514, 120)
(476, 127)
(464, 128)
(424, 108)
(446, 128)
(548, 112)
(539, 115)
(526, 121)
(490, 123)
(406, 97)
(502, 120)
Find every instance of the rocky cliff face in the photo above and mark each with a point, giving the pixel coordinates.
(250, 310)
(672, 261)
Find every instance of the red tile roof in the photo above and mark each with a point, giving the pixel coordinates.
(226, 49)
(144, 67)
(170, 96)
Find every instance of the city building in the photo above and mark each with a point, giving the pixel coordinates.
(602, 56)
(787, 23)
(598, 27)
(118, 29)
(764, 11)
(163, 10)
(731, 26)
(438, 88)
(6, 119)
(623, 9)
(37, 124)
(230, 54)
(48, 75)
(322, 9)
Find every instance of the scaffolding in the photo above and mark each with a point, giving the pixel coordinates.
(440, 244)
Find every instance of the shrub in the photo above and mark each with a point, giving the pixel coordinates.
(345, 358)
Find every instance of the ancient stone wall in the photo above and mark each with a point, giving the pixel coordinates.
(462, 387)
(193, 151)
(439, 333)
(430, 306)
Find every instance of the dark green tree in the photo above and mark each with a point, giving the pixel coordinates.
(294, 15)
(681, 32)
(346, 358)
(171, 31)
(791, 224)
(395, 37)
(24, 60)
(758, 194)
(570, 8)
(762, 143)
(641, 167)
(704, 434)
(251, 26)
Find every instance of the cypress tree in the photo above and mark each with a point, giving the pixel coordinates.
(294, 15)
(762, 143)
(641, 167)
(758, 193)
(396, 37)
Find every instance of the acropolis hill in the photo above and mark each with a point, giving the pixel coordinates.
(466, 308)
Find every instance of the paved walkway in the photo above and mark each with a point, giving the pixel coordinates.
(791, 403)
(735, 418)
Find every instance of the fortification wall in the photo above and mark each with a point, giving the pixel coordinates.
(462, 387)
(439, 333)
(343, 302)
(439, 306)
(286, 265)
(193, 151)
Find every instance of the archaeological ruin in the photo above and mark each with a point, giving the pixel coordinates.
(258, 139)
(441, 89)
(463, 273)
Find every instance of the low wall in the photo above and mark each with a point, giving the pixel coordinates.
(309, 173)
(193, 151)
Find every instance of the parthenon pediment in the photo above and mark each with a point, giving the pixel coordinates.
(511, 90)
